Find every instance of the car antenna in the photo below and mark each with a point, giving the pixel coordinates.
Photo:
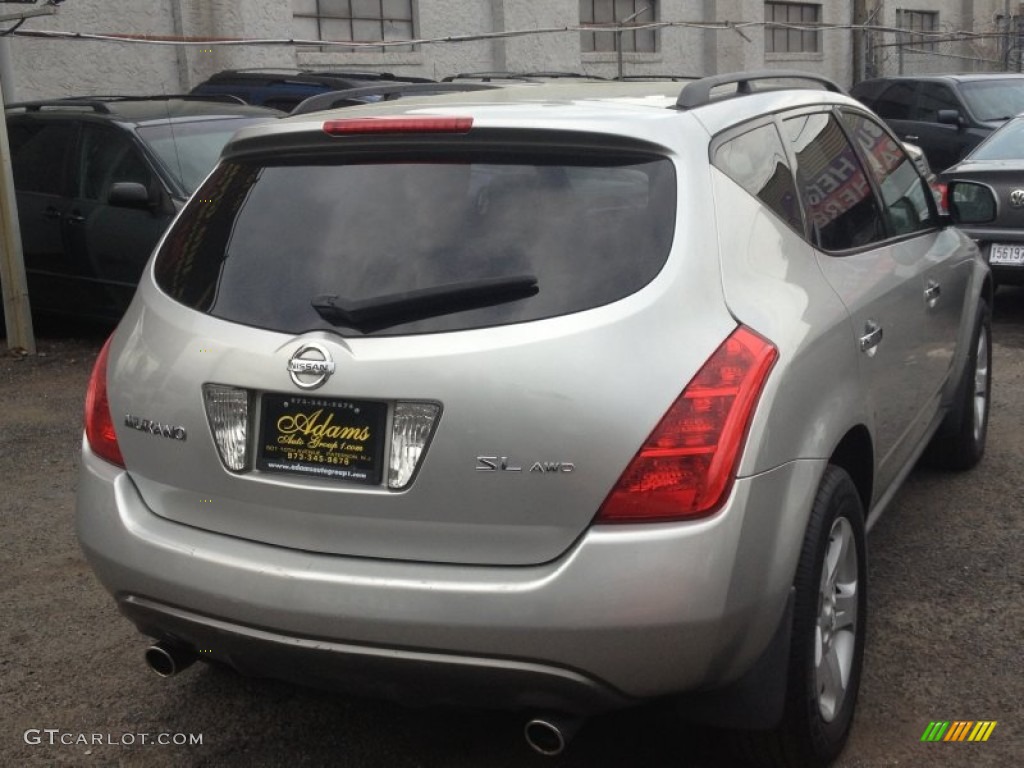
(174, 142)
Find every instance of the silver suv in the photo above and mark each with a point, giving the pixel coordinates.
(555, 397)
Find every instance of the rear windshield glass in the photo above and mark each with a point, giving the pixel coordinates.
(997, 99)
(1004, 144)
(263, 243)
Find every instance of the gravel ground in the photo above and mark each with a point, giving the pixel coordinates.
(944, 639)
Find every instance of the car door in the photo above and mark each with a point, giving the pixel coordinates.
(880, 279)
(40, 152)
(112, 242)
(943, 143)
(912, 220)
(894, 105)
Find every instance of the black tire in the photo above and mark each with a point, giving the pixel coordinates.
(819, 707)
(960, 442)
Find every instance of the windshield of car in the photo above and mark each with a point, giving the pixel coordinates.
(189, 150)
(420, 244)
(1005, 144)
(998, 99)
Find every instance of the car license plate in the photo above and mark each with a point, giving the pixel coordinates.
(322, 437)
(1006, 255)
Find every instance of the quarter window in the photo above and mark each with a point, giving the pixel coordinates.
(840, 204)
(757, 162)
(599, 13)
(779, 37)
(355, 20)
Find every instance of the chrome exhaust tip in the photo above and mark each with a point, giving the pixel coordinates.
(549, 735)
(167, 659)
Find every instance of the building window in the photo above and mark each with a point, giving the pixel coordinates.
(784, 38)
(598, 13)
(918, 24)
(356, 20)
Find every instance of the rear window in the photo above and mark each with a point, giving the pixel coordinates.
(995, 99)
(268, 243)
(1004, 144)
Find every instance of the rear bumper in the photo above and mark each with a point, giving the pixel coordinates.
(984, 238)
(401, 675)
(629, 612)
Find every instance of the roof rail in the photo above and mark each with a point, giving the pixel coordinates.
(354, 96)
(96, 105)
(99, 103)
(527, 77)
(316, 74)
(643, 78)
(224, 97)
(698, 93)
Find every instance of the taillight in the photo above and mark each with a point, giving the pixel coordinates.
(685, 468)
(99, 426)
(401, 124)
(941, 193)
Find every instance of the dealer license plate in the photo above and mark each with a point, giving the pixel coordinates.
(322, 437)
(1006, 255)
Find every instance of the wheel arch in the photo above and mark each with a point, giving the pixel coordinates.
(855, 454)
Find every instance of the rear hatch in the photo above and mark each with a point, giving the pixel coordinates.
(435, 348)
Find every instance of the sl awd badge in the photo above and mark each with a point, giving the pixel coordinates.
(504, 464)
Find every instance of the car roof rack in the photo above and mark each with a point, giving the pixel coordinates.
(291, 74)
(354, 96)
(642, 78)
(99, 103)
(526, 77)
(96, 105)
(699, 93)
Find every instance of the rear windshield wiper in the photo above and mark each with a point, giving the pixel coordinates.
(397, 308)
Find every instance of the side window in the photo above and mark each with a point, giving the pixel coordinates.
(906, 198)
(934, 97)
(895, 101)
(757, 162)
(109, 156)
(841, 207)
(39, 152)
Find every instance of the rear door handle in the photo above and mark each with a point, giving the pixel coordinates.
(910, 138)
(871, 339)
(51, 213)
(932, 292)
(75, 218)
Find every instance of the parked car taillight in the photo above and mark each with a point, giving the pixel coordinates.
(686, 466)
(99, 426)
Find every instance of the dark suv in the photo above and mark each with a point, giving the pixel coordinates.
(285, 88)
(946, 115)
(98, 180)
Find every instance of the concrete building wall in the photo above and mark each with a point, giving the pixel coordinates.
(50, 68)
(982, 17)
